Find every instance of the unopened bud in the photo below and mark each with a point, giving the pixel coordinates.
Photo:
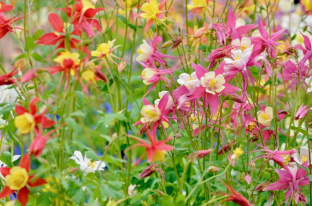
(122, 65)
(200, 32)
(213, 169)
(101, 75)
(167, 44)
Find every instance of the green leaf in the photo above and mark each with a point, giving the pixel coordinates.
(38, 58)
(30, 43)
(72, 123)
(5, 157)
(21, 56)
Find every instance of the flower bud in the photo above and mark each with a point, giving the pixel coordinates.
(167, 44)
(150, 170)
(213, 169)
(200, 32)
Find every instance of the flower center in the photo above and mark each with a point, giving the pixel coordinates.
(150, 10)
(87, 5)
(150, 113)
(212, 83)
(159, 155)
(286, 157)
(17, 178)
(91, 164)
(265, 116)
(243, 47)
(304, 159)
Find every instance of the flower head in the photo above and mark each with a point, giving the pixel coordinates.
(213, 83)
(86, 165)
(265, 116)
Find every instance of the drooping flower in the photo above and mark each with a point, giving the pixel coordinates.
(18, 179)
(291, 179)
(234, 196)
(302, 112)
(155, 151)
(58, 37)
(199, 154)
(149, 54)
(28, 120)
(86, 165)
(5, 7)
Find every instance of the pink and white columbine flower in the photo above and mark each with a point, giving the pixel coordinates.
(302, 112)
(291, 179)
(149, 54)
(265, 116)
(191, 82)
(212, 83)
(303, 157)
(238, 61)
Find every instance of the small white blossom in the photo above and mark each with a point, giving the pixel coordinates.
(85, 164)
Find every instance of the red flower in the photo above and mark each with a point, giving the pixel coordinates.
(235, 196)
(27, 120)
(59, 35)
(7, 79)
(38, 144)
(83, 16)
(155, 150)
(6, 24)
(17, 179)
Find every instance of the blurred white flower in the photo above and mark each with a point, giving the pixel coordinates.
(85, 164)
(7, 95)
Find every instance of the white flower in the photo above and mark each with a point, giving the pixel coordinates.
(145, 51)
(213, 83)
(190, 82)
(244, 43)
(85, 164)
(240, 22)
(239, 59)
(7, 95)
(131, 190)
(303, 157)
(285, 6)
(265, 117)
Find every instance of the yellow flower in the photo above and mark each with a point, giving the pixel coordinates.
(103, 49)
(68, 56)
(237, 152)
(307, 4)
(25, 123)
(150, 10)
(197, 4)
(17, 178)
(159, 155)
(88, 75)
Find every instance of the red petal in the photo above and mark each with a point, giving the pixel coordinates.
(20, 110)
(46, 122)
(37, 182)
(89, 13)
(5, 7)
(25, 162)
(5, 171)
(6, 192)
(32, 106)
(56, 22)
(48, 39)
(78, 7)
(23, 196)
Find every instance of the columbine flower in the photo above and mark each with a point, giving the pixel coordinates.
(85, 164)
(213, 83)
(302, 112)
(151, 11)
(191, 82)
(155, 151)
(18, 179)
(28, 120)
(198, 6)
(291, 179)
(105, 51)
(149, 54)
(303, 158)
(307, 4)
(265, 116)
(150, 113)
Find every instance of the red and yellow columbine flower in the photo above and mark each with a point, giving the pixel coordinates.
(27, 120)
(307, 4)
(18, 179)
